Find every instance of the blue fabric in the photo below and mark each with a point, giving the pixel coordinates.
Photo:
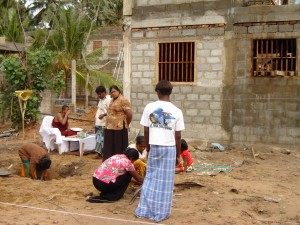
(99, 130)
(157, 191)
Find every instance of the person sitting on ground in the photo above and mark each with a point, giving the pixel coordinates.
(35, 160)
(113, 176)
(60, 121)
(188, 164)
(140, 164)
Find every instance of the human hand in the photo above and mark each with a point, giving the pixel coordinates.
(101, 116)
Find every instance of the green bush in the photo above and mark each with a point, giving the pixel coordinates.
(33, 71)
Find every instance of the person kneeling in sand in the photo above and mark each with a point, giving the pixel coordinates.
(113, 176)
(35, 160)
(140, 164)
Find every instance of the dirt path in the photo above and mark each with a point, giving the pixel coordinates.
(262, 192)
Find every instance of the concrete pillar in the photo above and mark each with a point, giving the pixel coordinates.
(127, 58)
(73, 86)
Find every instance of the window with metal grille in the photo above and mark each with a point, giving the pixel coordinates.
(113, 47)
(274, 57)
(176, 61)
(97, 45)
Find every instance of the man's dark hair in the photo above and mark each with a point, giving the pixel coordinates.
(100, 89)
(139, 140)
(184, 145)
(131, 153)
(64, 107)
(164, 87)
(45, 163)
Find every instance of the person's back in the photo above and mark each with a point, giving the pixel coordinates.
(34, 159)
(163, 123)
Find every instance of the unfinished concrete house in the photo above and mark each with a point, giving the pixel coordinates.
(234, 65)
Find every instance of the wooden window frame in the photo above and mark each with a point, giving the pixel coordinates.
(274, 57)
(97, 44)
(173, 64)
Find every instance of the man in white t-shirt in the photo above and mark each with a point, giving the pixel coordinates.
(100, 118)
(163, 123)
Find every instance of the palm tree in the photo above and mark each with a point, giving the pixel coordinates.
(13, 19)
(43, 11)
(68, 38)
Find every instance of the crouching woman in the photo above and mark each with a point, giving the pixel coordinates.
(113, 176)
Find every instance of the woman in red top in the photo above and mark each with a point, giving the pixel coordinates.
(112, 177)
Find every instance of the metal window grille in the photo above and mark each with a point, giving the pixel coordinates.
(113, 47)
(176, 61)
(97, 45)
(274, 57)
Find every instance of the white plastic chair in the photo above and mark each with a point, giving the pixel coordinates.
(50, 135)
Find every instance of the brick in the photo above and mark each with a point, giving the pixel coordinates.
(163, 33)
(141, 46)
(211, 45)
(191, 112)
(213, 59)
(270, 28)
(285, 28)
(205, 112)
(151, 34)
(255, 29)
(137, 53)
(203, 52)
(216, 52)
(139, 34)
(143, 67)
(240, 29)
(192, 96)
(189, 32)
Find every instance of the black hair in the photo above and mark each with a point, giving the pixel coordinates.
(45, 163)
(164, 87)
(64, 107)
(100, 89)
(139, 140)
(184, 145)
(131, 153)
(114, 87)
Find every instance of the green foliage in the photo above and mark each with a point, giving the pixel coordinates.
(11, 12)
(33, 72)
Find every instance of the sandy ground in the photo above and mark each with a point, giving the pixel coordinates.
(265, 191)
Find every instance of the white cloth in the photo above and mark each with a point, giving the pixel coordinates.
(163, 119)
(48, 133)
(142, 155)
(71, 144)
(102, 108)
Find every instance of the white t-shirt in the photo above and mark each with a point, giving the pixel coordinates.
(163, 119)
(102, 108)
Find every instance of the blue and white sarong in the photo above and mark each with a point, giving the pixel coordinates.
(157, 190)
(99, 130)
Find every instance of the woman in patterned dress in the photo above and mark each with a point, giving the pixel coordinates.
(112, 177)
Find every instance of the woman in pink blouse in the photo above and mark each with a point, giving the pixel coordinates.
(113, 176)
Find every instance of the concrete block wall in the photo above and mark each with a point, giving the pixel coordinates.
(200, 102)
(262, 109)
(225, 103)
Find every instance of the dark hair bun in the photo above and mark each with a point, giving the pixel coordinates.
(131, 153)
